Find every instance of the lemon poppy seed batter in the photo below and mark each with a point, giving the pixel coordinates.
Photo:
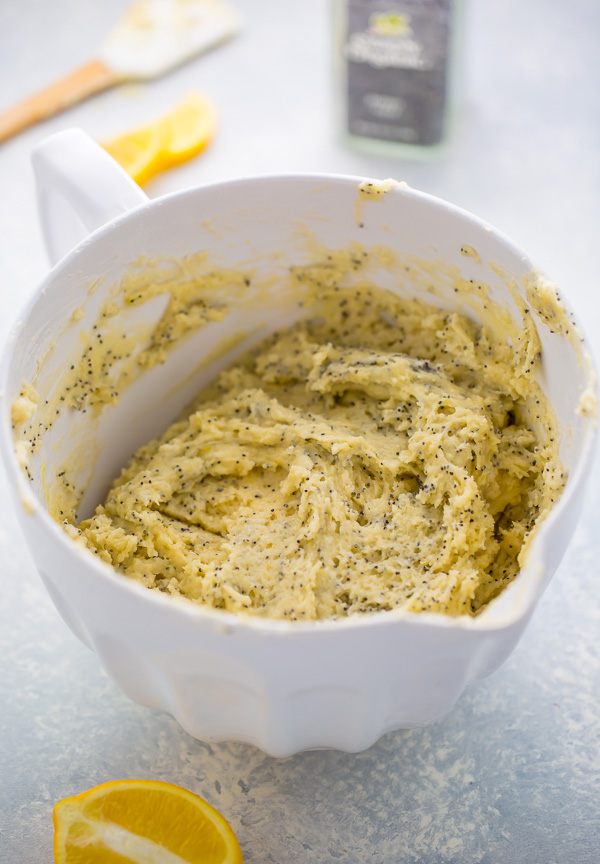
(385, 455)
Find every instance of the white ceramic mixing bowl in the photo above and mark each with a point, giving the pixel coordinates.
(283, 686)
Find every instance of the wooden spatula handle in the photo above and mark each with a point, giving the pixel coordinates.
(83, 82)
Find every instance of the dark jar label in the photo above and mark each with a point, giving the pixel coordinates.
(396, 57)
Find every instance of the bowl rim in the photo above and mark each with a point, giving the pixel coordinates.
(234, 622)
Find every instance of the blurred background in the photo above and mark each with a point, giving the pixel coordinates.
(513, 774)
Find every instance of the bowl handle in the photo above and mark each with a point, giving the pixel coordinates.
(79, 188)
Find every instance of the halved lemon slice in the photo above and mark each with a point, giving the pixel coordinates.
(167, 141)
(188, 128)
(141, 821)
(138, 152)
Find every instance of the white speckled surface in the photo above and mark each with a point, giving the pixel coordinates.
(513, 774)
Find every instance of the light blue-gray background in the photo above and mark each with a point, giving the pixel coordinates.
(512, 776)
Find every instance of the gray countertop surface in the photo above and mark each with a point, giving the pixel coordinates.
(513, 773)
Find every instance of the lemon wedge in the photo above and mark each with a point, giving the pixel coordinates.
(142, 822)
(168, 141)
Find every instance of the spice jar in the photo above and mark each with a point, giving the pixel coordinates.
(395, 73)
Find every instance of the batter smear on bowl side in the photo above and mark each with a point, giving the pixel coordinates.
(386, 454)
